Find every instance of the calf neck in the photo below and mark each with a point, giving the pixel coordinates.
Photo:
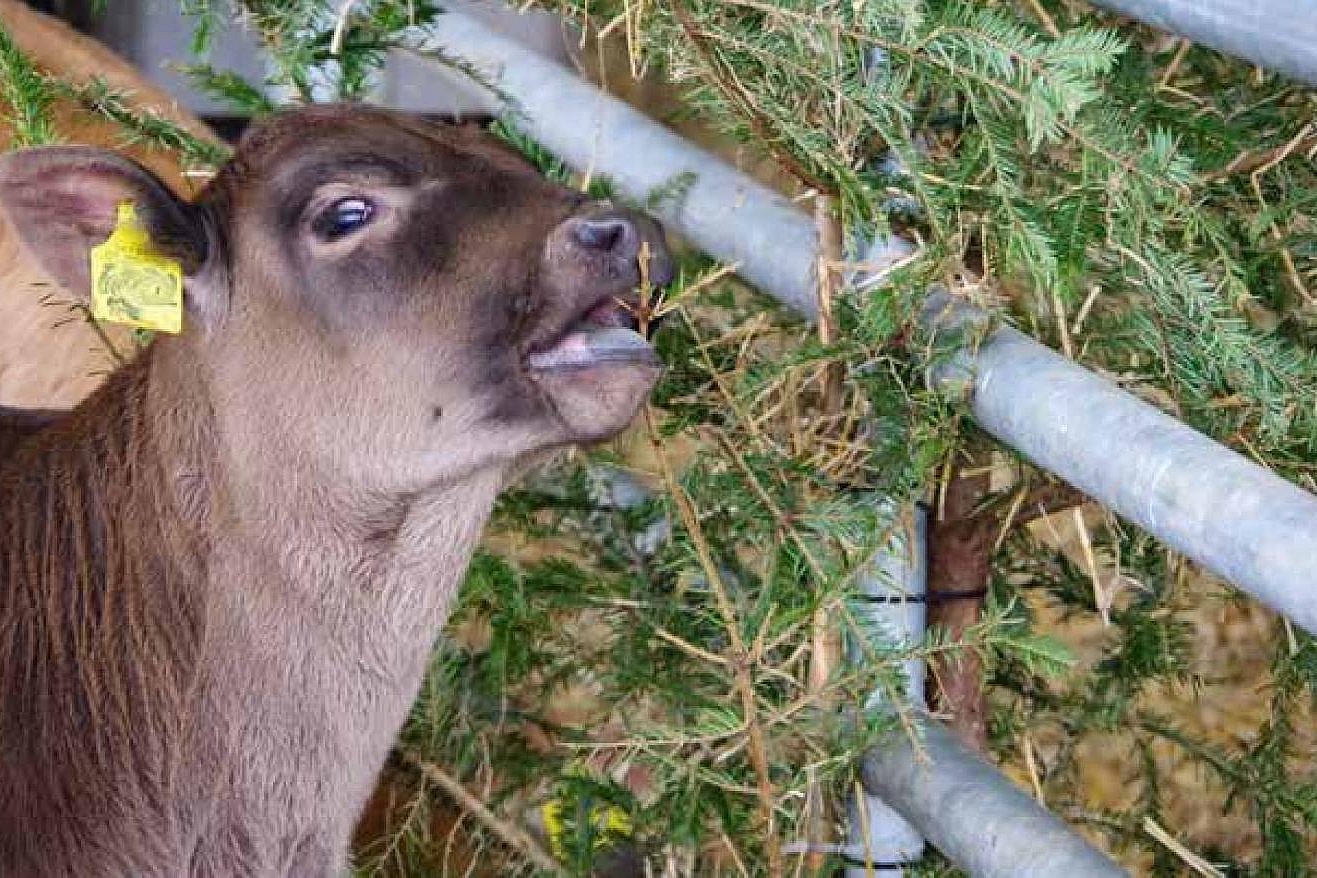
(221, 576)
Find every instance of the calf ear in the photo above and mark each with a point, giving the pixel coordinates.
(63, 200)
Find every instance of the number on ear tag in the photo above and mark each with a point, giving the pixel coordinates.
(130, 283)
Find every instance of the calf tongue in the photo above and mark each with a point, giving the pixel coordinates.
(591, 345)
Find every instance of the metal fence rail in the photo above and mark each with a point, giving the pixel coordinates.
(980, 820)
(892, 590)
(1279, 34)
(1199, 497)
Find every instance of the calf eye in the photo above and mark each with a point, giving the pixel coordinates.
(343, 217)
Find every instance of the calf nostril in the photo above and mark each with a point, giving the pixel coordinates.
(606, 234)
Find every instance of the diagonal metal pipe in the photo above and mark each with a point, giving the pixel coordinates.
(1214, 505)
(967, 810)
(1278, 34)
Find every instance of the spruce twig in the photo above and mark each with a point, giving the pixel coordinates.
(27, 93)
(736, 93)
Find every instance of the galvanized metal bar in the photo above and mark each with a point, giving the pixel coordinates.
(892, 589)
(1277, 34)
(1231, 515)
(967, 810)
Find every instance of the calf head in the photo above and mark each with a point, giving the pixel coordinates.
(368, 297)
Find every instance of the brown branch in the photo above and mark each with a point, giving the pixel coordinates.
(960, 541)
(829, 257)
(1049, 499)
(1249, 161)
(1048, 24)
(825, 634)
(741, 658)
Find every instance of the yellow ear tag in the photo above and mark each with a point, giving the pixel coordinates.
(130, 283)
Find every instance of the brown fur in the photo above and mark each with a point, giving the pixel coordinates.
(221, 576)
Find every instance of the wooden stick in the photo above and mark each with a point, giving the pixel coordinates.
(960, 543)
(825, 635)
(1044, 19)
(829, 257)
(1248, 162)
(742, 659)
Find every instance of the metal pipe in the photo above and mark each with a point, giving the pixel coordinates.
(1234, 517)
(967, 810)
(892, 588)
(945, 793)
(717, 208)
(1278, 34)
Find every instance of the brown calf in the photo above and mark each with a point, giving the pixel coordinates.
(221, 576)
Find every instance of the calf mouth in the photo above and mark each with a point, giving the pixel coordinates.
(605, 334)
